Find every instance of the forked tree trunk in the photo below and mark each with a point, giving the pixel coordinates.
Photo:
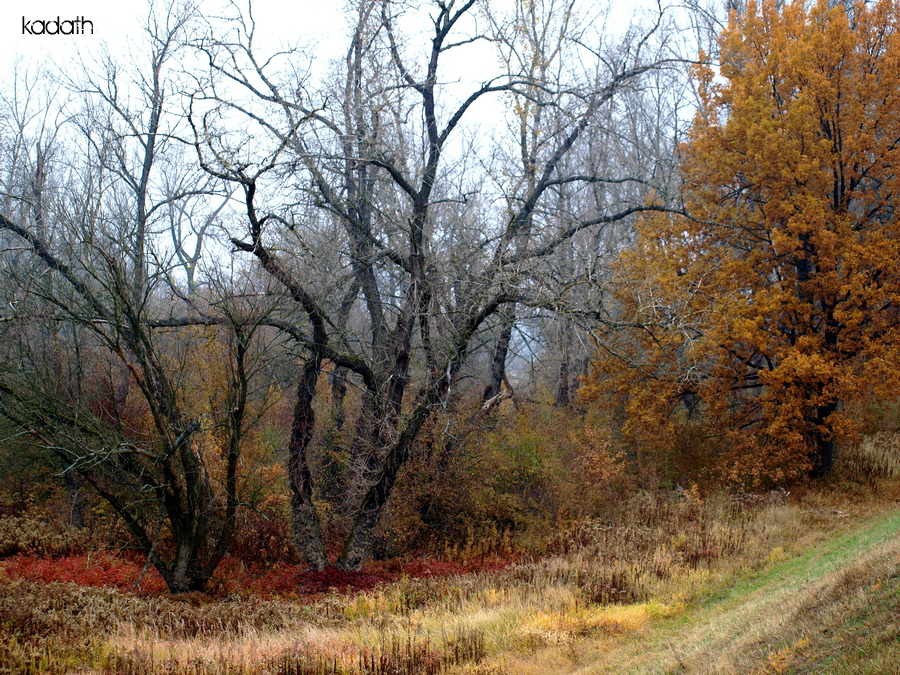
(359, 542)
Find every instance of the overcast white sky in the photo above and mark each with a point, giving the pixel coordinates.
(316, 22)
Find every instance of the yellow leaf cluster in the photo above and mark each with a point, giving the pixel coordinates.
(760, 322)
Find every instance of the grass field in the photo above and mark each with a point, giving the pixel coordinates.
(834, 608)
(669, 583)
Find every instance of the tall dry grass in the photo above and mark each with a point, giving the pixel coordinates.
(876, 455)
(643, 560)
(34, 536)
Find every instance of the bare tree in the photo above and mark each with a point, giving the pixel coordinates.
(90, 368)
(620, 155)
(355, 204)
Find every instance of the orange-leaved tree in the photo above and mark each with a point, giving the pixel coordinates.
(763, 320)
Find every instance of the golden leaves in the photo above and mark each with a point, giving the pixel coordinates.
(761, 321)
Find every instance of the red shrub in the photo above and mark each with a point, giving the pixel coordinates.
(96, 569)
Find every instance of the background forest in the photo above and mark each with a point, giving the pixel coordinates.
(258, 307)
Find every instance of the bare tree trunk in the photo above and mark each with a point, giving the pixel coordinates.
(562, 387)
(501, 350)
(358, 545)
(76, 516)
(307, 528)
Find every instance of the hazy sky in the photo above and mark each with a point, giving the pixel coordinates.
(315, 22)
(277, 20)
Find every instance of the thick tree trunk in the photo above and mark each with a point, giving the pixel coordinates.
(823, 459)
(562, 389)
(307, 528)
(358, 544)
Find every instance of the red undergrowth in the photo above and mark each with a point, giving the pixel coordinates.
(121, 571)
(97, 569)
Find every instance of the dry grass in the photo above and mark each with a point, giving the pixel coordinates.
(34, 536)
(605, 579)
(831, 609)
(605, 586)
(876, 455)
(662, 582)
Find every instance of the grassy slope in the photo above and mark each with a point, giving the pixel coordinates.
(799, 587)
(834, 609)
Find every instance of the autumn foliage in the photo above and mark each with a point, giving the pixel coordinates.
(762, 322)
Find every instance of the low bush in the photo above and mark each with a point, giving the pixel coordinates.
(30, 536)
